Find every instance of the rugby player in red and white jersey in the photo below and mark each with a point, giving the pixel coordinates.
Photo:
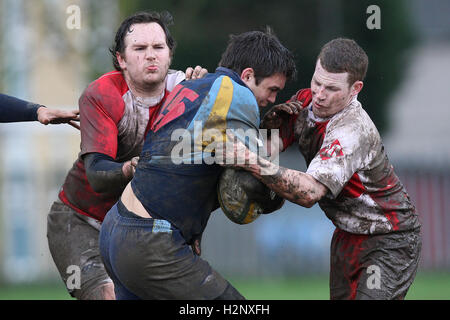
(376, 246)
(116, 110)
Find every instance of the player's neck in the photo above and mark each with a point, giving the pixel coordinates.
(146, 91)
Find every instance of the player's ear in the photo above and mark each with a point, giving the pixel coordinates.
(121, 61)
(356, 88)
(247, 75)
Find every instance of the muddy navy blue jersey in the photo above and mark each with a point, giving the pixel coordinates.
(15, 110)
(176, 176)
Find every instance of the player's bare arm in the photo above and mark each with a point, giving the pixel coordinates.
(293, 185)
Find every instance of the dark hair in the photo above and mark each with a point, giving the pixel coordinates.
(261, 51)
(164, 19)
(344, 55)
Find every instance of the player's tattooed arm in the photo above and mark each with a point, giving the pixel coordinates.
(293, 185)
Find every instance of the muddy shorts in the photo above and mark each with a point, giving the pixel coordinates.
(73, 243)
(149, 259)
(373, 266)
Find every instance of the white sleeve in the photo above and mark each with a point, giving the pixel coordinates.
(343, 152)
(174, 77)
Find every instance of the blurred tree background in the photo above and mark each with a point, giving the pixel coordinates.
(202, 29)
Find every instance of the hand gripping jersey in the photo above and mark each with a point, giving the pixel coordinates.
(345, 153)
(176, 176)
(113, 122)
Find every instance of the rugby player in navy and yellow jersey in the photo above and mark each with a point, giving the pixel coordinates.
(145, 238)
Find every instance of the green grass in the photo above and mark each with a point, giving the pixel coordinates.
(430, 286)
(48, 291)
(427, 286)
(301, 288)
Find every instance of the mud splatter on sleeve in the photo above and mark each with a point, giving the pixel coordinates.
(344, 151)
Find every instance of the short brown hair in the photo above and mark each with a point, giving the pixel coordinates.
(344, 55)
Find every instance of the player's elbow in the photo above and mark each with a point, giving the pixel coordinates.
(308, 202)
(110, 181)
(303, 199)
(309, 198)
(97, 184)
(103, 174)
(311, 194)
(98, 188)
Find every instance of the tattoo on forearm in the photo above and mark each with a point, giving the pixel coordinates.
(289, 184)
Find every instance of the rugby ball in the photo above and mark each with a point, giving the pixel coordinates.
(238, 192)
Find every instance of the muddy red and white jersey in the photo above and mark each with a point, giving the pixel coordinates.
(113, 122)
(345, 153)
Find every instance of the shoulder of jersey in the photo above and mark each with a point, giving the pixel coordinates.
(113, 80)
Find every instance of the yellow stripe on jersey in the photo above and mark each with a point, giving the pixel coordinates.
(215, 126)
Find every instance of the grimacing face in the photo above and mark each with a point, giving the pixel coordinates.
(331, 92)
(146, 58)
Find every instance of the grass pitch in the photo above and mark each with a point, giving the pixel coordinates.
(427, 286)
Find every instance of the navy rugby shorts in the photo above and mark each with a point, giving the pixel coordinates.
(149, 259)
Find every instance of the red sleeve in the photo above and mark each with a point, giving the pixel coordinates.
(101, 108)
(287, 130)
